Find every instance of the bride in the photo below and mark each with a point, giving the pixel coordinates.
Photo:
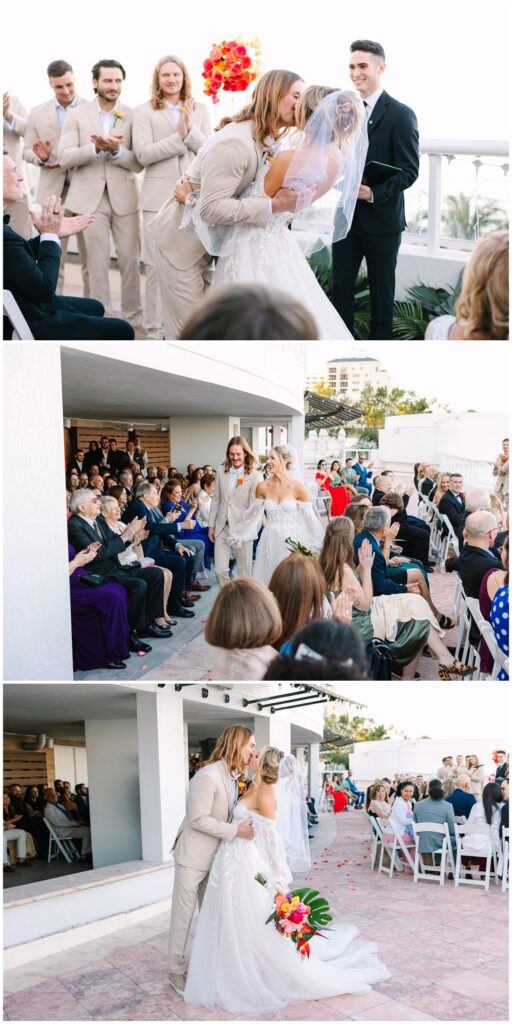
(244, 965)
(283, 505)
(330, 155)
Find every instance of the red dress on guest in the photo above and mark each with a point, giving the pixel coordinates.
(340, 800)
(340, 498)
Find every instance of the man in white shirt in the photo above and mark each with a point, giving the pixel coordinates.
(63, 824)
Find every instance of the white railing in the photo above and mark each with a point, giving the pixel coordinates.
(475, 472)
(319, 224)
(435, 150)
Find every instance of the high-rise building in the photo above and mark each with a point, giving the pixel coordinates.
(348, 376)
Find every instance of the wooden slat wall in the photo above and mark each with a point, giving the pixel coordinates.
(28, 767)
(156, 444)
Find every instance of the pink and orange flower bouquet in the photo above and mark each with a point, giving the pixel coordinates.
(299, 915)
(231, 66)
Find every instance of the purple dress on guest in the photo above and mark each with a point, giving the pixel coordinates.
(99, 622)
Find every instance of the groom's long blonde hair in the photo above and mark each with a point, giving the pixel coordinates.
(229, 747)
(264, 106)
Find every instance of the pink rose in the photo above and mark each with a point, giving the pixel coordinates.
(296, 917)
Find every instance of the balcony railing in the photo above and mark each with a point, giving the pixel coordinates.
(478, 179)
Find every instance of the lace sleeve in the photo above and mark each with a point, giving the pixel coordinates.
(311, 529)
(274, 864)
(249, 526)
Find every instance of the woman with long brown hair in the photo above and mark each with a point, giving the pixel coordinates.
(298, 586)
(167, 133)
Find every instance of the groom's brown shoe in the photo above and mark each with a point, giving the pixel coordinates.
(177, 982)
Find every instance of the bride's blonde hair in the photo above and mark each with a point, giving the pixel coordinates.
(308, 103)
(283, 454)
(264, 106)
(268, 765)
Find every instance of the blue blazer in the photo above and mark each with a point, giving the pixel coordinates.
(159, 529)
(31, 272)
(381, 583)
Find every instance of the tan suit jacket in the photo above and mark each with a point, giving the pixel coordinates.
(91, 173)
(42, 124)
(229, 507)
(12, 137)
(223, 169)
(162, 151)
(206, 821)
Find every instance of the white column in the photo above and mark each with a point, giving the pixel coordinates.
(161, 770)
(272, 730)
(37, 623)
(201, 439)
(113, 772)
(296, 436)
(314, 770)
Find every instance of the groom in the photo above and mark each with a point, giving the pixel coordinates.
(228, 163)
(235, 489)
(213, 794)
(379, 217)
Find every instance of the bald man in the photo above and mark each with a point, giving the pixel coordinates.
(476, 559)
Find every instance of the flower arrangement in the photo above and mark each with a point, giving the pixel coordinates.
(299, 915)
(301, 549)
(231, 66)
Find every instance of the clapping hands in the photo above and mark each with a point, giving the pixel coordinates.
(366, 556)
(185, 118)
(341, 606)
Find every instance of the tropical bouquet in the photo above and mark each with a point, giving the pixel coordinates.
(231, 66)
(299, 915)
(296, 547)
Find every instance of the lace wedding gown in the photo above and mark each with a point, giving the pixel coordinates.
(269, 256)
(289, 518)
(245, 966)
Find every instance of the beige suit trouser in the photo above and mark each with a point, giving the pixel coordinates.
(152, 302)
(189, 888)
(20, 220)
(180, 290)
(82, 252)
(126, 233)
(224, 552)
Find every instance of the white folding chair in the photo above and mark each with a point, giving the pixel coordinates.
(505, 838)
(433, 872)
(66, 846)
(463, 642)
(491, 858)
(391, 847)
(500, 659)
(450, 538)
(320, 499)
(20, 329)
(376, 837)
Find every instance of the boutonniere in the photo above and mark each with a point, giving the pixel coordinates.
(242, 785)
(118, 116)
(240, 479)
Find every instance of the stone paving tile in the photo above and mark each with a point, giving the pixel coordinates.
(123, 976)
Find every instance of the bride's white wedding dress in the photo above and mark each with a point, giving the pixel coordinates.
(288, 518)
(245, 966)
(269, 256)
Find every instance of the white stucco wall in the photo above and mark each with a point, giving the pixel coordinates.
(201, 439)
(37, 633)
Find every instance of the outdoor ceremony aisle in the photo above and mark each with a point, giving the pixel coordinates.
(446, 950)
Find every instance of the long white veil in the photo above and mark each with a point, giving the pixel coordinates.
(331, 155)
(292, 817)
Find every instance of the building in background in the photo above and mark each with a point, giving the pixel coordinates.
(377, 758)
(347, 377)
(135, 745)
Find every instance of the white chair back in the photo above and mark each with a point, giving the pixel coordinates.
(505, 838)
(21, 330)
(56, 844)
(433, 872)
(478, 877)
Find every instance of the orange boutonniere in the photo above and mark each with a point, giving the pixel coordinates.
(239, 480)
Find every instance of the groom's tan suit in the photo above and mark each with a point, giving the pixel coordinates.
(210, 803)
(223, 168)
(230, 502)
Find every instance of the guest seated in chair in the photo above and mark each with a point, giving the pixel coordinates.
(31, 272)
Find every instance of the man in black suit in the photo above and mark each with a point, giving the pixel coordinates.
(77, 462)
(379, 217)
(164, 532)
(428, 484)
(475, 558)
(452, 504)
(114, 457)
(31, 273)
(144, 587)
(502, 768)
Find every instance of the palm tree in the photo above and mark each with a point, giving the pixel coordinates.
(463, 218)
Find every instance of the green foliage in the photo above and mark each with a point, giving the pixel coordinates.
(379, 402)
(321, 265)
(462, 217)
(358, 728)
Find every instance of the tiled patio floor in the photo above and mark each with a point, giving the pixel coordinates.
(446, 950)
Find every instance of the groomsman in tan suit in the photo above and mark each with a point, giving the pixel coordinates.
(167, 133)
(226, 164)
(96, 145)
(235, 489)
(213, 794)
(41, 143)
(15, 123)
